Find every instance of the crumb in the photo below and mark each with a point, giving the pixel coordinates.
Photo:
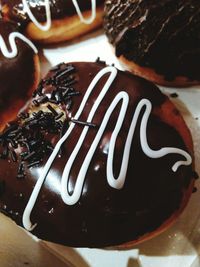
(174, 95)
(98, 60)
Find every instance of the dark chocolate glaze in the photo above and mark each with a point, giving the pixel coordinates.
(59, 9)
(162, 35)
(16, 74)
(103, 216)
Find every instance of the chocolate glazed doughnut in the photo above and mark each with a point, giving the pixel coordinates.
(98, 158)
(19, 70)
(54, 21)
(158, 40)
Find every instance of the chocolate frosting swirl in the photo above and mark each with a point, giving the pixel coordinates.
(162, 35)
(103, 216)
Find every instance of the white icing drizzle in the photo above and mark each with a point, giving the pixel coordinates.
(43, 27)
(14, 51)
(93, 12)
(47, 25)
(114, 182)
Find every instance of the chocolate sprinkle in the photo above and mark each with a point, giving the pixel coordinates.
(89, 124)
(98, 60)
(61, 73)
(29, 133)
(13, 155)
(52, 110)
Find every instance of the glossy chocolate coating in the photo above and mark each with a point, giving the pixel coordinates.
(17, 75)
(59, 9)
(103, 216)
(162, 35)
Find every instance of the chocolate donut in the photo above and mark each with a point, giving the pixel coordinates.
(98, 158)
(158, 40)
(19, 70)
(54, 21)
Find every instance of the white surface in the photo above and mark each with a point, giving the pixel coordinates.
(18, 249)
(179, 246)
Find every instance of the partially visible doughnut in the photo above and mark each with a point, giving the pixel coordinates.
(94, 122)
(19, 71)
(157, 40)
(54, 21)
